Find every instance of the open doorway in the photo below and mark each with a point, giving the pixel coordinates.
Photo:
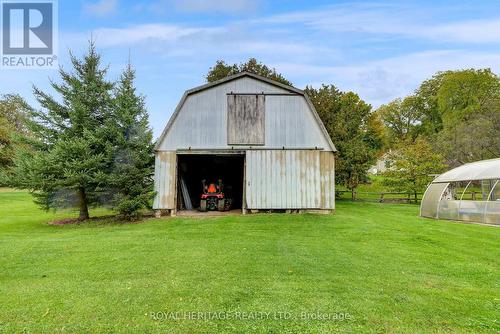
(194, 168)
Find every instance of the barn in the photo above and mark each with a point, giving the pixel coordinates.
(260, 141)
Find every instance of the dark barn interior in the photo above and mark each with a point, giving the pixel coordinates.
(193, 168)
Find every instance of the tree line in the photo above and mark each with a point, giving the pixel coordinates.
(91, 144)
(451, 119)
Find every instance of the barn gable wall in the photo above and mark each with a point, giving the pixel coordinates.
(201, 122)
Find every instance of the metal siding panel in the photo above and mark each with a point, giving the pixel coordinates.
(269, 167)
(317, 182)
(276, 181)
(172, 169)
(309, 164)
(306, 172)
(327, 168)
(261, 177)
(163, 176)
(165, 168)
(257, 171)
(258, 179)
(324, 181)
(306, 167)
(249, 178)
(255, 181)
(156, 202)
(263, 180)
(332, 180)
(317, 172)
(296, 181)
(307, 178)
(164, 179)
(290, 174)
(284, 179)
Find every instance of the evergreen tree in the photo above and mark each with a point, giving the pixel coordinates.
(133, 168)
(70, 150)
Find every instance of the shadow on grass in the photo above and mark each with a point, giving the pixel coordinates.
(100, 221)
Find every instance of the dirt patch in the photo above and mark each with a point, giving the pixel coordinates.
(65, 221)
(196, 213)
(98, 221)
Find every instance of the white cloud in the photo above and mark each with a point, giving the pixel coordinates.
(391, 20)
(101, 7)
(201, 6)
(176, 40)
(356, 47)
(225, 6)
(381, 81)
(476, 31)
(148, 32)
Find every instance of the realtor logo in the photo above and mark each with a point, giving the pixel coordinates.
(28, 34)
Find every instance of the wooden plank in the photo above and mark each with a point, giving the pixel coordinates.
(246, 119)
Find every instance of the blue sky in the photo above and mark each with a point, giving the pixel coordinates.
(380, 50)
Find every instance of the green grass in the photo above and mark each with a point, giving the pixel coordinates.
(371, 191)
(375, 184)
(391, 271)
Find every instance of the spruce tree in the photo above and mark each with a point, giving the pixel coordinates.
(71, 152)
(133, 167)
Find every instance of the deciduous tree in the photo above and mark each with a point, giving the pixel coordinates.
(402, 118)
(459, 114)
(411, 167)
(354, 131)
(14, 112)
(221, 70)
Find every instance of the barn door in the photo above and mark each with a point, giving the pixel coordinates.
(165, 176)
(246, 119)
(283, 179)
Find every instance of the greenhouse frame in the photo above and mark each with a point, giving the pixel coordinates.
(470, 192)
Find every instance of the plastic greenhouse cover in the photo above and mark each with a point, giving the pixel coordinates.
(480, 170)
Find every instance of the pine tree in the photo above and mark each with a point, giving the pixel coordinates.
(70, 150)
(132, 174)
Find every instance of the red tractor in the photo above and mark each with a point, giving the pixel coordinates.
(213, 197)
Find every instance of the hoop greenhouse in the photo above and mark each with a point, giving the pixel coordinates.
(468, 193)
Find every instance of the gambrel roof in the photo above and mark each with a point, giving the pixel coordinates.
(290, 89)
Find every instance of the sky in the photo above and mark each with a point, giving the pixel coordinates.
(380, 50)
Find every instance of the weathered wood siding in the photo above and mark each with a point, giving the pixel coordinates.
(327, 168)
(283, 179)
(165, 180)
(246, 119)
(202, 120)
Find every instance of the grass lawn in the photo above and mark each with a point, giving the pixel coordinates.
(376, 185)
(371, 191)
(380, 265)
